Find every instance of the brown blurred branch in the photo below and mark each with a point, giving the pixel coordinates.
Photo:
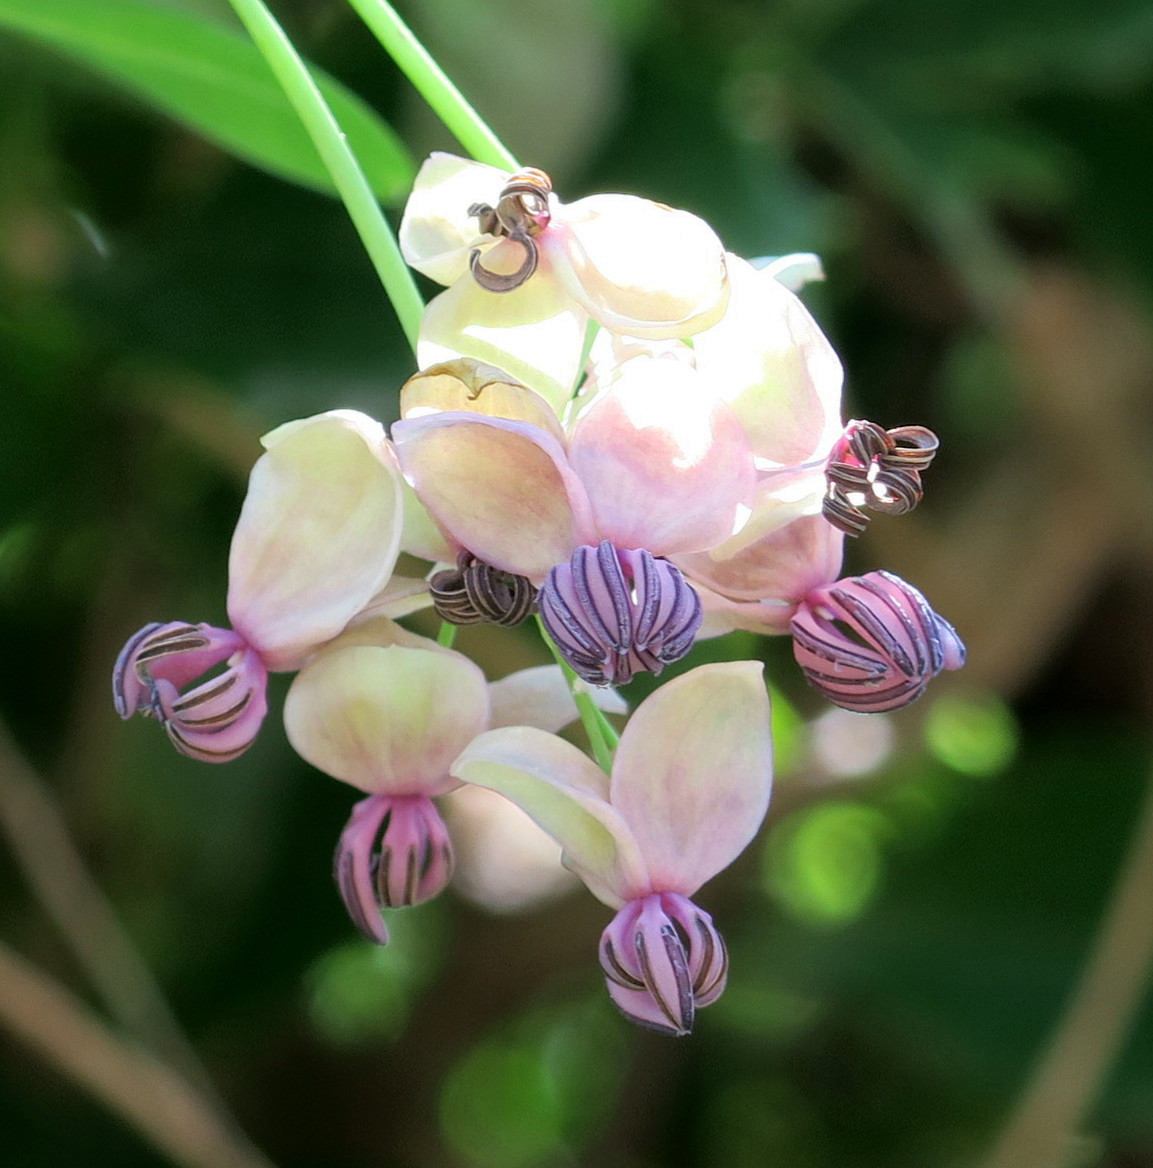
(164, 1107)
(60, 880)
(1093, 1027)
(1086, 364)
(164, 1091)
(1071, 502)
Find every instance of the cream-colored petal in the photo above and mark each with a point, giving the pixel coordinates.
(401, 596)
(381, 631)
(564, 792)
(638, 267)
(422, 535)
(793, 271)
(693, 772)
(318, 534)
(534, 333)
(436, 230)
(466, 385)
(387, 720)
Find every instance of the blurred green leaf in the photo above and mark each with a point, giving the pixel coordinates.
(825, 863)
(537, 1090)
(358, 992)
(976, 733)
(213, 80)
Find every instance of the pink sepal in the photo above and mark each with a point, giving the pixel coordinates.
(503, 489)
(666, 464)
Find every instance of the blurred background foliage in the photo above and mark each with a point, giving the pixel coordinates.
(910, 928)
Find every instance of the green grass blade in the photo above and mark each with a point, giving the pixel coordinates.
(213, 80)
(431, 82)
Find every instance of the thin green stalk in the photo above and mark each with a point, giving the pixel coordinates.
(447, 102)
(324, 130)
(602, 735)
(446, 635)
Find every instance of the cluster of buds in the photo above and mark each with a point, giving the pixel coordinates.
(628, 432)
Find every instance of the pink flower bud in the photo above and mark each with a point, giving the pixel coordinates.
(872, 643)
(663, 958)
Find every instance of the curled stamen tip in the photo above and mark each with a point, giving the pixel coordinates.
(475, 591)
(497, 282)
(876, 469)
(529, 178)
(872, 643)
(126, 696)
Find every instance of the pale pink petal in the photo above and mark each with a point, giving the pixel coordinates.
(722, 615)
(542, 697)
(318, 534)
(387, 720)
(786, 564)
(436, 231)
(666, 464)
(770, 360)
(609, 352)
(693, 772)
(534, 333)
(501, 489)
(638, 267)
(781, 497)
(564, 792)
(504, 861)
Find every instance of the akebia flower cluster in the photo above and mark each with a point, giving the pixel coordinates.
(628, 433)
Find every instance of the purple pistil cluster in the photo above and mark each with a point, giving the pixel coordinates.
(613, 613)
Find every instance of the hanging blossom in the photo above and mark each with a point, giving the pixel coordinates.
(689, 788)
(316, 542)
(655, 466)
(516, 258)
(387, 712)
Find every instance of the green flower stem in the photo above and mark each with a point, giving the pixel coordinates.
(324, 130)
(602, 735)
(447, 635)
(447, 102)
